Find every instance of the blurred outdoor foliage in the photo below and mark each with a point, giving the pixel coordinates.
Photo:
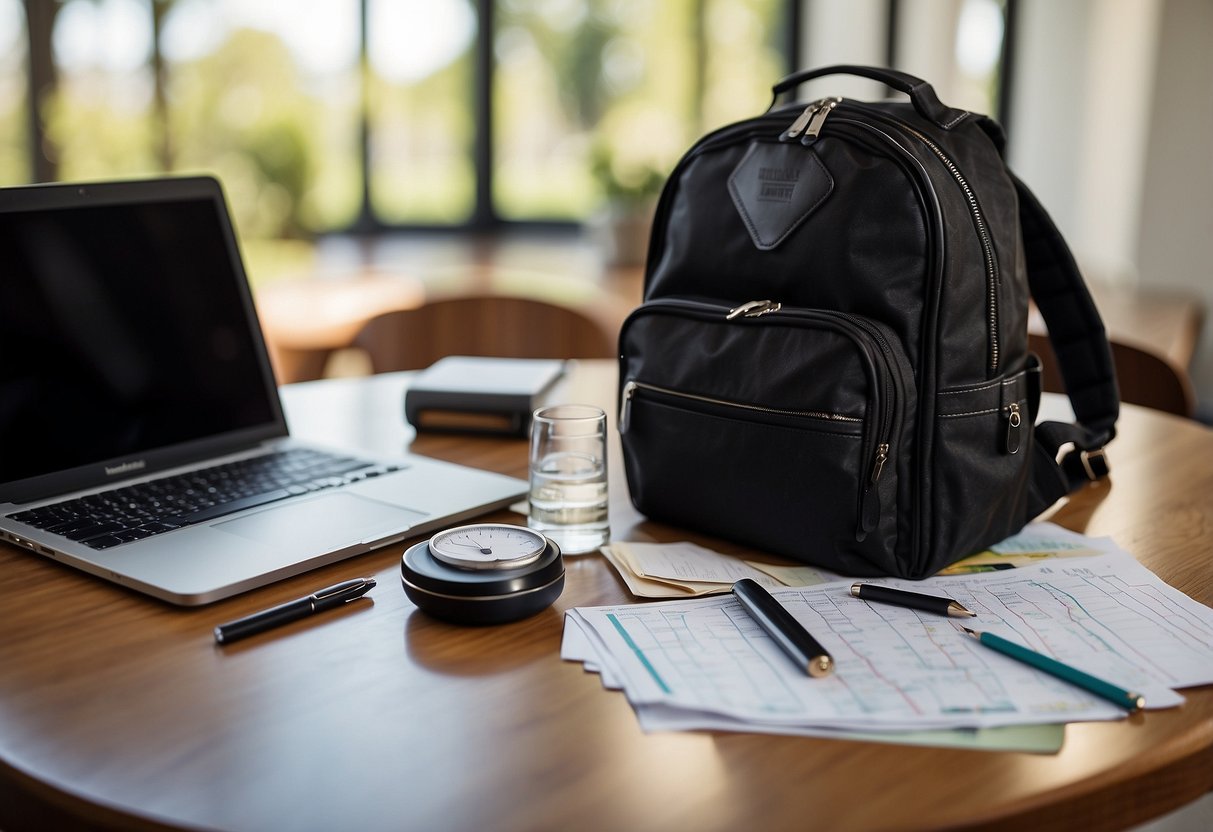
(590, 99)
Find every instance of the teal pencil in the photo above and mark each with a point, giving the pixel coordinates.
(1125, 699)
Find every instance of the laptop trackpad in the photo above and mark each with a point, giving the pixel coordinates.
(328, 522)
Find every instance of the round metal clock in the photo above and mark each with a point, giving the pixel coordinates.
(484, 573)
(488, 546)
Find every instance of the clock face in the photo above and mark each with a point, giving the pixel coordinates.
(488, 546)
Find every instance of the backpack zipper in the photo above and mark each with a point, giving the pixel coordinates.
(1014, 424)
(983, 234)
(819, 119)
(629, 391)
(754, 309)
(810, 121)
(986, 244)
(801, 122)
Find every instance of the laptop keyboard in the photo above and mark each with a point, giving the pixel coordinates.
(133, 512)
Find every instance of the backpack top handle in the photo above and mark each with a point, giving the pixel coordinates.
(922, 95)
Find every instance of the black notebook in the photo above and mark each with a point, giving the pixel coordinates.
(479, 395)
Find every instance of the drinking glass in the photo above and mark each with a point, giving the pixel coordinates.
(568, 499)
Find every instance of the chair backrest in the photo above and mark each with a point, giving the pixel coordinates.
(510, 327)
(1144, 377)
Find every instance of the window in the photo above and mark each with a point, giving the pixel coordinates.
(14, 103)
(420, 111)
(980, 32)
(100, 116)
(388, 113)
(336, 115)
(965, 51)
(268, 97)
(392, 113)
(605, 95)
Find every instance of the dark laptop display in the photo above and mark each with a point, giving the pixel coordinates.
(122, 331)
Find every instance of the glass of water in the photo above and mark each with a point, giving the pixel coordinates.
(568, 500)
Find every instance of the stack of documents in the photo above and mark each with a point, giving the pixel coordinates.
(686, 570)
(1037, 542)
(705, 664)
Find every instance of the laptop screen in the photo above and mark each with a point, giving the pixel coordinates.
(125, 327)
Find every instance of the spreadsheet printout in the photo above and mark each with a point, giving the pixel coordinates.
(900, 669)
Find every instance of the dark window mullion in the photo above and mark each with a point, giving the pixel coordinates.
(791, 45)
(484, 214)
(892, 24)
(1006, 66)
(42, 78)
(367, 220)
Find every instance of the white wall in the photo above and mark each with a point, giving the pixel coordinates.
(843, 32)
(1175, 242)
(926, 44)
(1112, 126)
(1080, 122)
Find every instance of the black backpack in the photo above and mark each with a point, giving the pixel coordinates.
(831, 361)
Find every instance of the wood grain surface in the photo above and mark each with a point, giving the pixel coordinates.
(120, 711)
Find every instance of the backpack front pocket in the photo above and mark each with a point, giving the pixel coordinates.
(780, 430)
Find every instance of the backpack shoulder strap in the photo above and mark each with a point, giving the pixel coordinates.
(1083, 355)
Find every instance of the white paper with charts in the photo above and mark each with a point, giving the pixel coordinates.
(900, 669)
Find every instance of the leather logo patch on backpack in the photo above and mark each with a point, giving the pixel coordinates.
(775, 187)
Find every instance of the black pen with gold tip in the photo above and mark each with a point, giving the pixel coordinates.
(913, 600)
(783, 629)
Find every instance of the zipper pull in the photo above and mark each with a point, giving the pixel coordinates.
(1014, 423)
(754, 308)
(797, 126)
(869, 508)
(625, 406)
(826, 106)
(882, 456)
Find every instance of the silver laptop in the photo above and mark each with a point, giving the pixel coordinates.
(141, 435)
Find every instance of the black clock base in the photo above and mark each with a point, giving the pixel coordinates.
(485, 597)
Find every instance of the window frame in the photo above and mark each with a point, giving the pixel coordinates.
(42, 74)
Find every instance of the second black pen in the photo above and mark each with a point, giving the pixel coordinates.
(913, 600)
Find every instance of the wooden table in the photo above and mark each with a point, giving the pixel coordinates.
(121, 710)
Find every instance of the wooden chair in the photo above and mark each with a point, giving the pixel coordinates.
(1144, 377)
(510, 327)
